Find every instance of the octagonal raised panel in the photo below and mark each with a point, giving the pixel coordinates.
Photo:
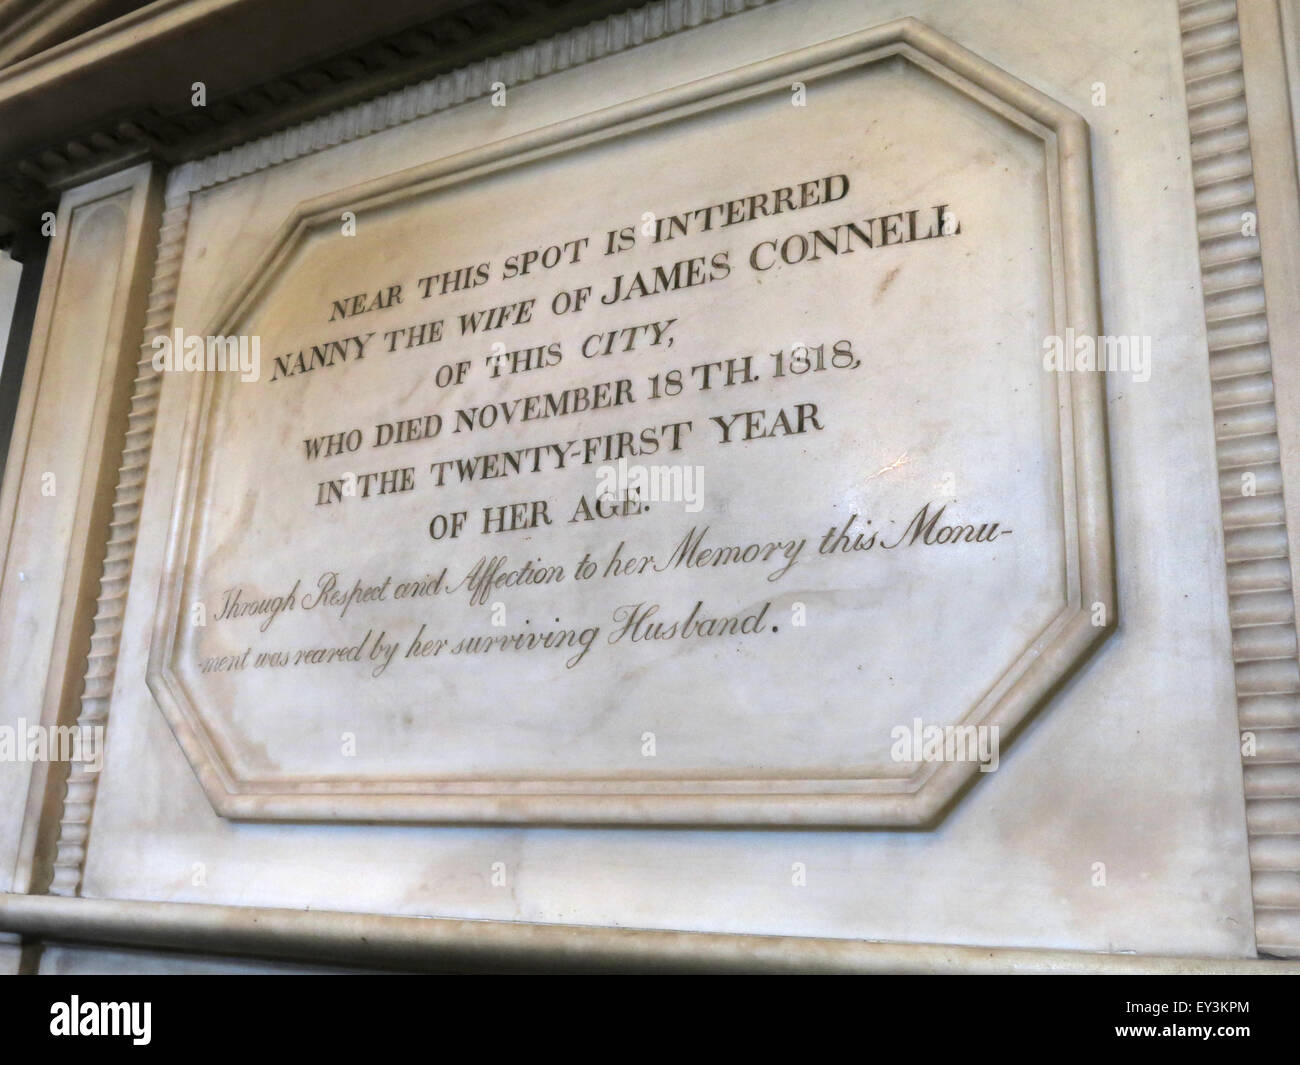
(859, 351)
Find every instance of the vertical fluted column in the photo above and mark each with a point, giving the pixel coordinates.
(1261, 599)
(101, 663)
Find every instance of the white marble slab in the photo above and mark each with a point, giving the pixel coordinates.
(1132, 765)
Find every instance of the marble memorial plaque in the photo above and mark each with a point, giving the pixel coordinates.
(685, 463)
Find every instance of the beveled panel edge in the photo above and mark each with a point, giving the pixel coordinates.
(1051, 656)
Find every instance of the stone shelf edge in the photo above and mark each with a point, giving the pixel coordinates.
(448, 945)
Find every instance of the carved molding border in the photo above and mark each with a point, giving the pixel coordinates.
(1021, 686)
(1261, 597)
(119, 551)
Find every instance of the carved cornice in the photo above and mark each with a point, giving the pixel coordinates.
(460, 33)
(610, 35)
(30, 26)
